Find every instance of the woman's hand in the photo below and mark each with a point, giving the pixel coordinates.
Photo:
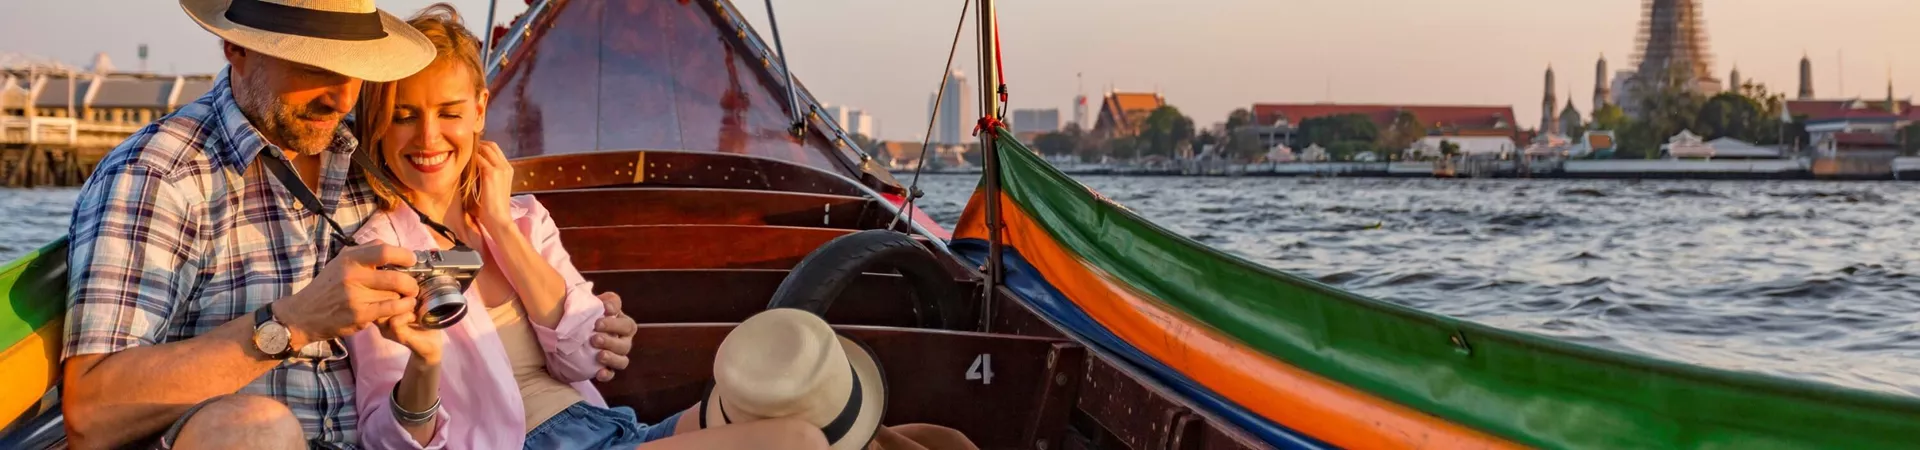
(406, 330)
(496, 184)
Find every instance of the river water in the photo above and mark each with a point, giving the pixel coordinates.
(1811, 280)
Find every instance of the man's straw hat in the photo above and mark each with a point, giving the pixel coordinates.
(789, 363)
(348, 37)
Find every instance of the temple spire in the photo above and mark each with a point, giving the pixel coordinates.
(1602, 87)
(1891, 106)
(1733, 79)
(1549, 118)
(1806, 77)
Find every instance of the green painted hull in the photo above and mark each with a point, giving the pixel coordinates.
(30, 327)
(36, 288)
(1527, 388)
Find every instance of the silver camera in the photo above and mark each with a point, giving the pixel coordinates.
(443, 276)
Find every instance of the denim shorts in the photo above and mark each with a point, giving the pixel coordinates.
(583, 427)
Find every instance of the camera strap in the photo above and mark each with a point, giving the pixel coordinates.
(278, 165)
(373, 170)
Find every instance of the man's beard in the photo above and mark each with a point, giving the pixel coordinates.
(287, 124)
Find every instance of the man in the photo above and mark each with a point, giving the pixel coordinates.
(207, 300)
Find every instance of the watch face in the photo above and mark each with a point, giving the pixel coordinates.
(271, 338)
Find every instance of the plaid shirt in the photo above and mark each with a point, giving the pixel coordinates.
(173, 236)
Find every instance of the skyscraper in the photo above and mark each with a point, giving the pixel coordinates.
(953, 112)
(1036, 120)
(1672, 49)
(852, 120)
(859, 122)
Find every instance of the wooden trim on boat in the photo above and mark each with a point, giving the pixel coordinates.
(937, 377)
(644, 247)
(732, 295)
(708, 206)
(636, 247)
(1143, 417)
(673, 168)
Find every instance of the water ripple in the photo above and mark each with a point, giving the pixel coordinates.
(1812, 280)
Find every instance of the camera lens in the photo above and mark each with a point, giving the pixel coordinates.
(442, 301)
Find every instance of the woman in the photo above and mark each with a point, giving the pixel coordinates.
(514, 373)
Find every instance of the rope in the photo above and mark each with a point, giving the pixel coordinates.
(913, 188)
(998, 66)
(989, 123)
(799, 127)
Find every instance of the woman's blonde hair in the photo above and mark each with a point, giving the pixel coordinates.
(452, 43)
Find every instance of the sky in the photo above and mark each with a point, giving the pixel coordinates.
(1205, 57)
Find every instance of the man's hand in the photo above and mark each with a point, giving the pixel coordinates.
(350, 292)
(613, 335)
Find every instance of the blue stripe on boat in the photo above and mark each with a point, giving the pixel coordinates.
(1025, 281)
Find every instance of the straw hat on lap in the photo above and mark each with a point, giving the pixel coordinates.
(789, 363)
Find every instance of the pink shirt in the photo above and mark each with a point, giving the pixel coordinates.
(480, 404)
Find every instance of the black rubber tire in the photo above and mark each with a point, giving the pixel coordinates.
(820, 277)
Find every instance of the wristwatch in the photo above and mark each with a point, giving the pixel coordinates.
(270, 336)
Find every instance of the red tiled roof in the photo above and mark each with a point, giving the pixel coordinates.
(1460, 117)
(1817, 110)
(1118, 108)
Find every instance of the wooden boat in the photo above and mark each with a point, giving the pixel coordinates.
(660, 133)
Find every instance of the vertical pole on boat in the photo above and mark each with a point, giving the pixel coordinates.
(799, 125)
(486, 41)
(990, 158)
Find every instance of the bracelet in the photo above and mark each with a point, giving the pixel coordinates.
(409, 417)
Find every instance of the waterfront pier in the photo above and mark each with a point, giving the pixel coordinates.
(57, 121)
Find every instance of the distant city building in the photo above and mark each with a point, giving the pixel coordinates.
(854, 121)
(1672, 46)
(1494, 146)
(1622, 89)
(861, 123)
(899, 154)
(1036, 120)
(1277, 123)
(1733, 79)
(1314, 153)
(1122, 113)
(953, 113)
(1853, 125)
(1080, 111)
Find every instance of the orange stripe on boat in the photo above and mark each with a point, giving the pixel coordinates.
(1293, 397)
(27, 370)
